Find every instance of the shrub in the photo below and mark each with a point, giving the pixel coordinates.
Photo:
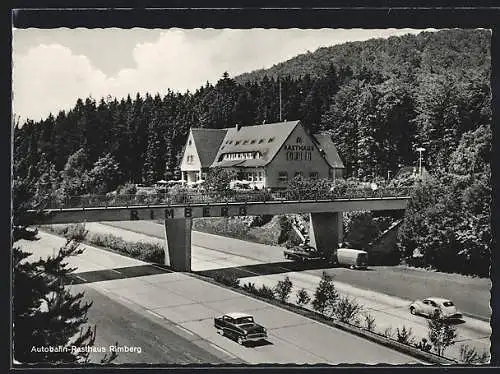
(441, 334)
(76, 232)
(249, 287)
(227, 279)
(423, 345)
(303, 297)
(325, 296)
(151, 252)
(388, 333)
(469, 355)
(127, 189)
(369, 322)
(265, 291)
(347, 309)
(404, 335)
(283, 289)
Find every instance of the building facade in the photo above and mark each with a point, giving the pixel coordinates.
(263, 156)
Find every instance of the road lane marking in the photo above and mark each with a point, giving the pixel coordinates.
(81, 278)
(223, 350)
(154, 313)
(185, 330)
(115, 271)
(124, 299)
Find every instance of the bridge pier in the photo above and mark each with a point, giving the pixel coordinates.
(178, 243)
(326, 231)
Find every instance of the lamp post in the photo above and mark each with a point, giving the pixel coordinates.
(420, 150)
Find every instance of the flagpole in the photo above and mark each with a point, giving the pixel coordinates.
(280, 97)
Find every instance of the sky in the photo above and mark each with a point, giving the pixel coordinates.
(52, 68)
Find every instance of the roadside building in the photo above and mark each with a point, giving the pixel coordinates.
(199, 153)
(264, 156)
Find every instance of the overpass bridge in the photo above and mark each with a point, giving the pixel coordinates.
(178, 211)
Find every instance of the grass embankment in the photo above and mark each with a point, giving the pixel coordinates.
(150, 252)
(239, 229)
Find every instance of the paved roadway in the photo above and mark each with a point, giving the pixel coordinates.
(388, 299)
(121, 321)
(155, 303)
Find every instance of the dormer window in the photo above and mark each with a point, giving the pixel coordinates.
(230, 142)
(270, 140)
(237, 142)
(245, 142)
(261, 141)
(253, 141)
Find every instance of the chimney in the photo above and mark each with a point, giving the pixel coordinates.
(238, 127)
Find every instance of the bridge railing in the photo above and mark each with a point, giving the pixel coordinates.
(185, 197)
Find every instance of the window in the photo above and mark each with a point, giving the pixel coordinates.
(245, 141)
(260, 176)
(299, 140)
(261, 141)
(243, 320)
(230, 142)
(190, 142)
(237, 142)
(298, 174)
(283, 177)
(313, 175)
(270, 140)
(307, 156)
(253, 141)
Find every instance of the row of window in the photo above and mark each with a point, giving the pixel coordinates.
(253, 176)
(241, 156)
(298, 156)
(283, 175)
(253, 141)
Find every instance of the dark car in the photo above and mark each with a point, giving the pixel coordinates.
(240, 327)
(302, 253)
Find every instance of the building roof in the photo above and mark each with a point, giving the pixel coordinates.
(207, 143)
(330, 153)
(266, 139)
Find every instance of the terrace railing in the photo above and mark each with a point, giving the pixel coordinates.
(230, 196)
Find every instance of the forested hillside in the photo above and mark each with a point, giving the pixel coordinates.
(379, 99)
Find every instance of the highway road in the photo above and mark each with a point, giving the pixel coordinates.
(185, 306)
(471, 294)
(118, 320)
(388, 299)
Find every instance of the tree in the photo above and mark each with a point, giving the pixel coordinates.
(303, 297)
(360, 229)
(75, 176)
(105, 175)
(46, 313)
(325, 296)
(283, 289)
(347, 309)
(218, 179)
(441, 334)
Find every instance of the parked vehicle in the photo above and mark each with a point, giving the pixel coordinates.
(303, 253)
(354, 258)
(240, 327)
(435, 307)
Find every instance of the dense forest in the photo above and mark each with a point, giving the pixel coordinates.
(379, 99)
